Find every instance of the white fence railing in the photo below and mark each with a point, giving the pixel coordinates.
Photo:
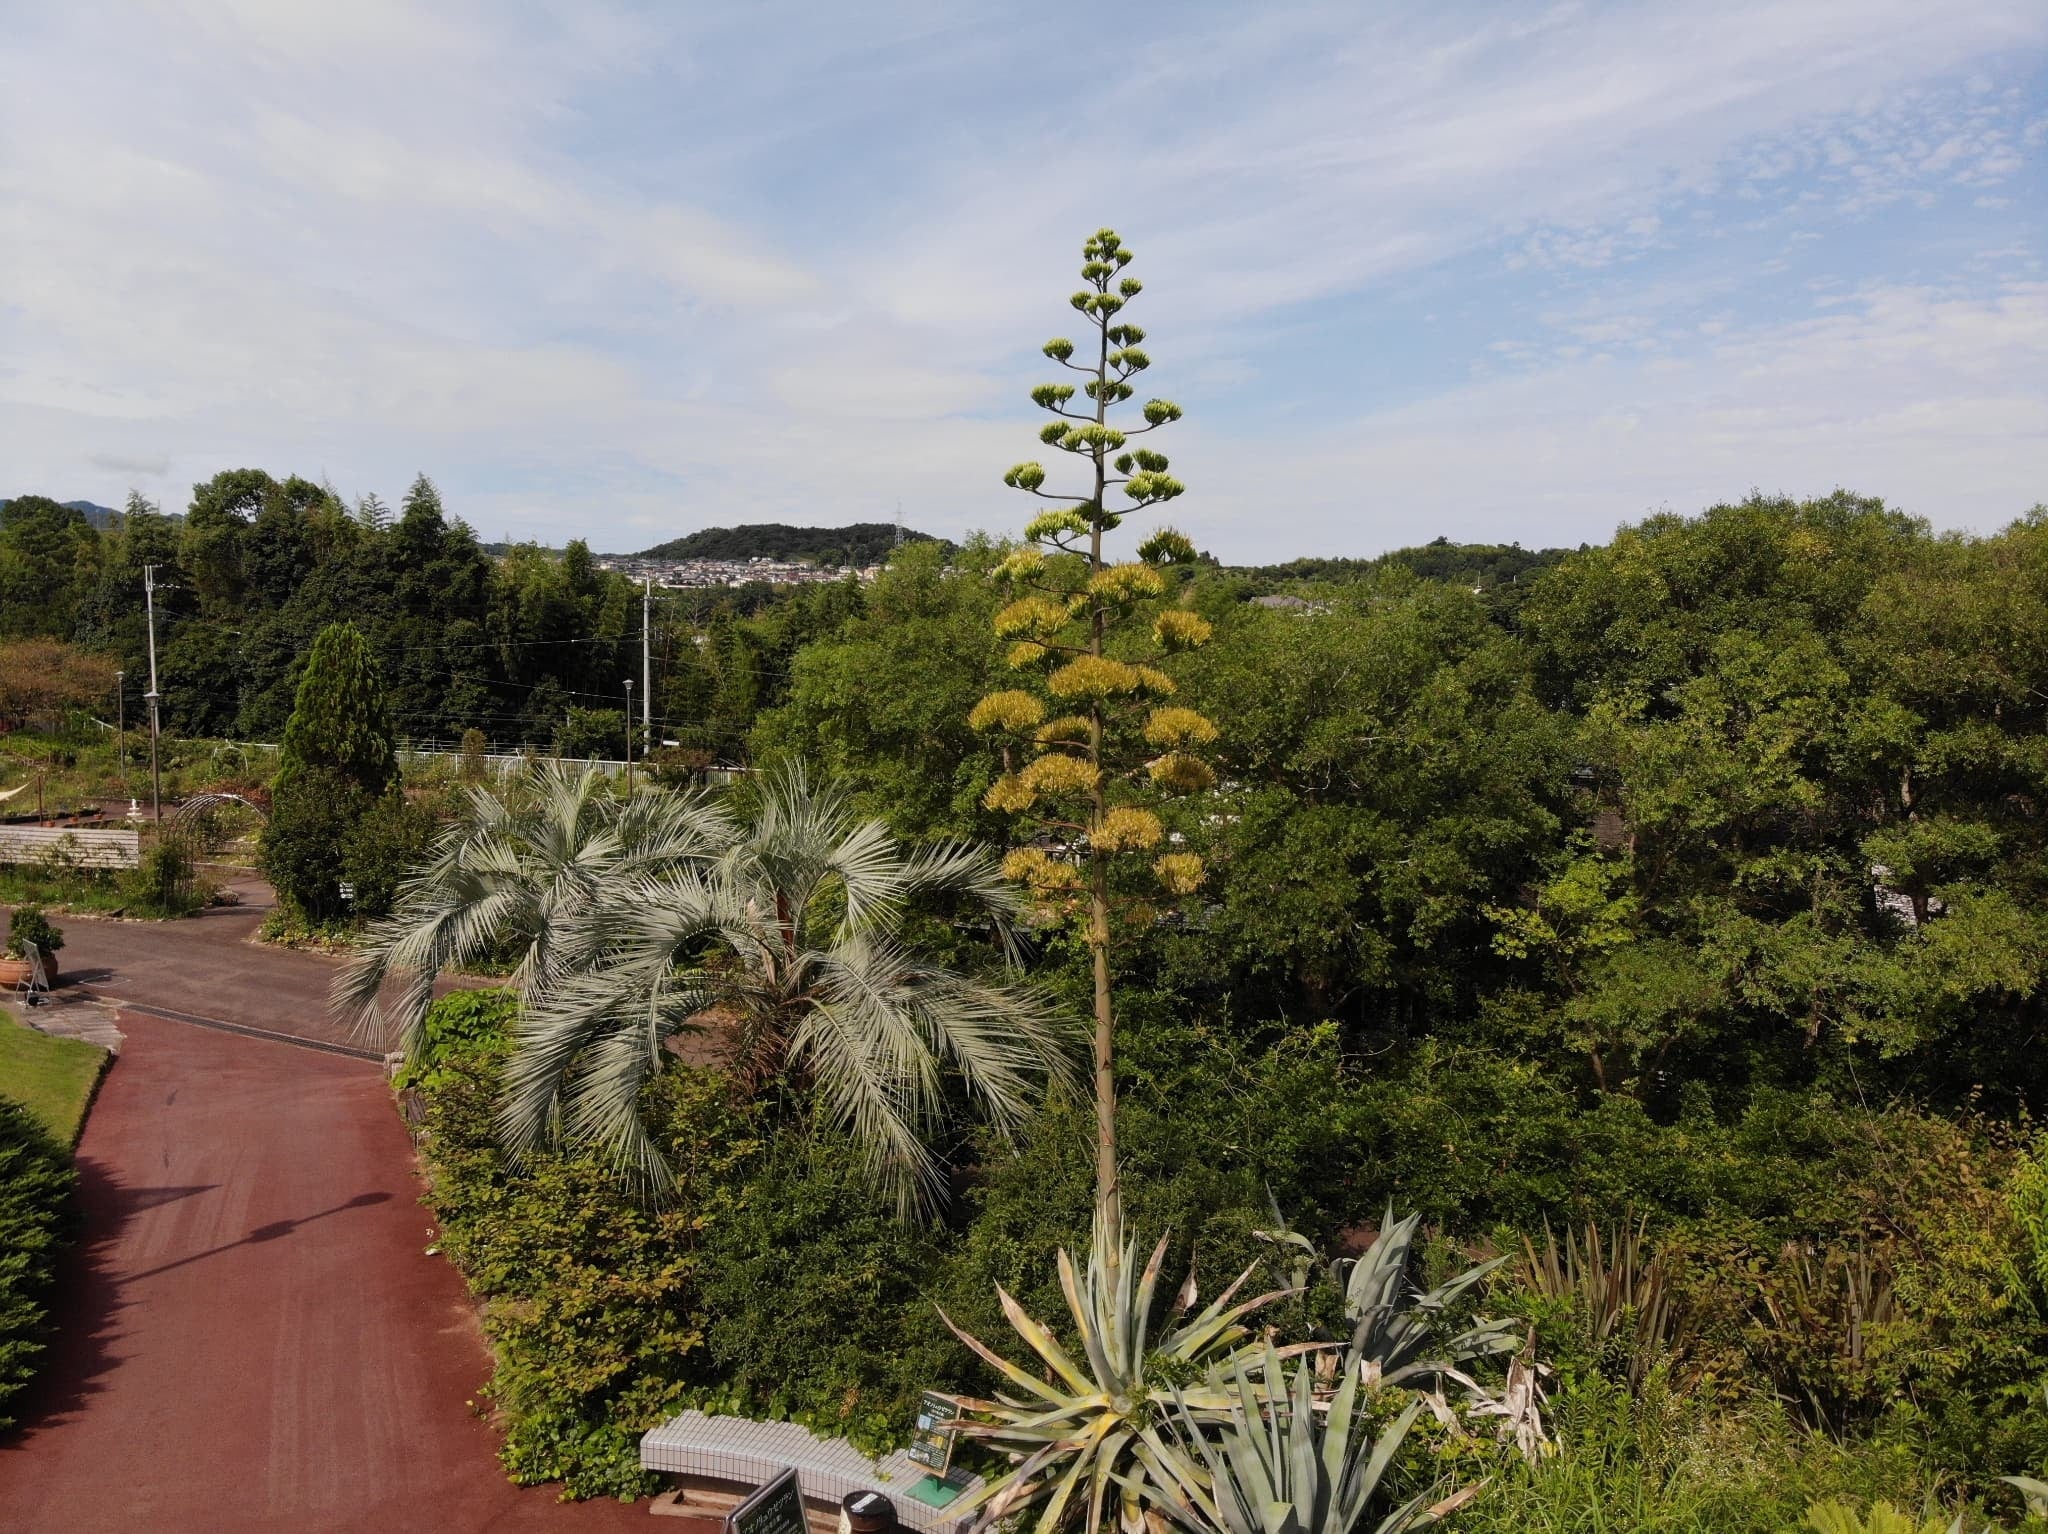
(77, 846)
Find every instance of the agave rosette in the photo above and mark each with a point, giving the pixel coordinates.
(1098, 1424)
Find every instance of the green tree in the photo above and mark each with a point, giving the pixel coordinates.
(1086, 632)
(1809, 724)
(1392, 772)
(48, 563)
(881, 703)
(337, 762)
(797, 940)
(339, 720)
(217, 524)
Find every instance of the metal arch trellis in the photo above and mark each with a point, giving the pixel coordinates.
(199, 804)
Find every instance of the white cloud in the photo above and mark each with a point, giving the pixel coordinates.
(1937, 402)
(642, 269)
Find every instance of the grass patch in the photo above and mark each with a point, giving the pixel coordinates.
(64, 890)
(52, 1078)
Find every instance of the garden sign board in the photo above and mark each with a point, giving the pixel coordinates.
(776, 1508)
(932, 1445)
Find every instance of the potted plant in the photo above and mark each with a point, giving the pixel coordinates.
(29, 925)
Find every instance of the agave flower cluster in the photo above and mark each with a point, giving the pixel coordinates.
(657, 915)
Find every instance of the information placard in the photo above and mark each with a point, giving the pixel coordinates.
(932, 1445)
(776, 1508)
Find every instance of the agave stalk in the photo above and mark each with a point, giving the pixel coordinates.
(1096, 1426)
(1278, 1461)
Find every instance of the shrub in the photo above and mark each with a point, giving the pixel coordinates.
(166, 882)
(1667, 1462)
(28, 924)
(587, 1296)
(777, 1282)
(311, 819)
(382, 848)
(462, 1026)
(816, 1295)
(35, 1192)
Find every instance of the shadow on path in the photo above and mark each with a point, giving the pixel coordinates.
(275, 1230)
(316, 1371)
(87, 1310)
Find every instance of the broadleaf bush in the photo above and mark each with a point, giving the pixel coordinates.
(36, 1181)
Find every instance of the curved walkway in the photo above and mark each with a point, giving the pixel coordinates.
(252, 1334)
(208, 966)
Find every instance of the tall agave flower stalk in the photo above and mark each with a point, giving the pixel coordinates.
(1095, 1429)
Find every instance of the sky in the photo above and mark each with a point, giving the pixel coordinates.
(1502, 273)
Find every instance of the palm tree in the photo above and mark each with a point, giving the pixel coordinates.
(507, 874)
(793, 940)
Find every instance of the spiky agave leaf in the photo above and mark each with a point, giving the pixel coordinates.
(1394, 1323)
(1271, 1462)
(1093, 1425)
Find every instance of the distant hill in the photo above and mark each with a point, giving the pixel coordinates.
(101, 517)
(859, 543)
(1466, 564)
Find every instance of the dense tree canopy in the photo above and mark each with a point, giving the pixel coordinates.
(1743, 799)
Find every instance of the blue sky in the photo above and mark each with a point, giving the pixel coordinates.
(1505, 272)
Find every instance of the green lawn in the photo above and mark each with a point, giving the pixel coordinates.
(53, 1078)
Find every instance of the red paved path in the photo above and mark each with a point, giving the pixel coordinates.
(252, 1336)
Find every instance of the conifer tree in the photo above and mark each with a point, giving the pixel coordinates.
(1091, 742)
(339, 720)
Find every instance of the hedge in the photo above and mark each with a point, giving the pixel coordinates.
(35, 1218)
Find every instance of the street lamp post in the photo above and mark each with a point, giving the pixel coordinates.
(156, 787)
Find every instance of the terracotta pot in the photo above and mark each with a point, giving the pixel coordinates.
(14, 971)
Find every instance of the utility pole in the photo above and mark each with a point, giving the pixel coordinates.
(629, 736)
(121, 724)
(646, 665)
(156, 787)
